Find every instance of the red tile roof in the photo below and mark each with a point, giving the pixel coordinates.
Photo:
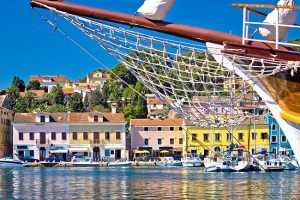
(38, 93)
(69, 117)
(53, 78)
(68, 90)
(156, 122)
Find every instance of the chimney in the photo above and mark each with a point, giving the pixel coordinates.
(113, 108)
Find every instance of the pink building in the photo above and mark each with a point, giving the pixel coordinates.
(39, 134)
(156, 135)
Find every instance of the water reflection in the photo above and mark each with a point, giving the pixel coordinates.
(144, 183)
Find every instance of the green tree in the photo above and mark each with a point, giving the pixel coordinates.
(58, 95)
(13, 95)
(96, 98)
(57, 108)
(29, 99)
(18, 83)
(20, 106)
(82, 80)
(122, 72)
(75, 103)
(34, 85)
(86, 103)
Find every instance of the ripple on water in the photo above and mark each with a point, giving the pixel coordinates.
(144, 183)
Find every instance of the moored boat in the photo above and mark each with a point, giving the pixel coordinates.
(11, 162)
(190, 160)
(119, 164)
(169, 161)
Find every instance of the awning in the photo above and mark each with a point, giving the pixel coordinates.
(143, 151)
(58, 150)
(22, 147)
(165, 148)
(164, 151)
(78, 149)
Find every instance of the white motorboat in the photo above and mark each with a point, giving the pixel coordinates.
(290, 164)
(191, 161)
(119, 164)
(242, 166)
(11, 162)
(169, 161)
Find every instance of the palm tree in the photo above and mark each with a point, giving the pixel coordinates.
(29, 99)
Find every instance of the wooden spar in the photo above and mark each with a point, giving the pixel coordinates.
(265, 6)
(189, 32)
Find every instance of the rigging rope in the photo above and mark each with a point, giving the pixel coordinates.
(102, 64)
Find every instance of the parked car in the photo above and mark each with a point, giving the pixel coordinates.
(29, 159)
(150, 158)
(53, 158)
(78, 158)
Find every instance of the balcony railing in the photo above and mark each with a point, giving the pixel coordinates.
(43, 142)
(102, 142)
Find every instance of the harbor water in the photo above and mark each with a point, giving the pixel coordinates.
(145, 183)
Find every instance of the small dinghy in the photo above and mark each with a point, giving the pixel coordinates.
(119, 164)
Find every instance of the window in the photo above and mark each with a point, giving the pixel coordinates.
(158, 128)
(180, 141)
(264, 136)
(107, 152)
(8, 122)
(43, 119)
(31, 153)
(96, 118)
(171, 140)
(64, 136)
(31, 136)
(283, 138)
(217, 137)
(85, 135)
(274, 150)
(159, 141)
(21, 136)
(194, 136)
(53, 136)
(228, 136)
(274, 138)
(273, 127)
(118, 135)
(205, 136)
(74, 135)
(180, 128)
(146, 141)
(112, 152)
(240, 136)
(171, 128)
(146, 128)
(107, 135)
(253, 134)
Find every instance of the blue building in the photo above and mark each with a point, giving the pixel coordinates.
(277, 140)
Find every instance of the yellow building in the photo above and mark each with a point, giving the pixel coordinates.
(97, 135)
(5, 127)
(248, 135)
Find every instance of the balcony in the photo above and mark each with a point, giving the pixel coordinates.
(43, 142)
(104, 142)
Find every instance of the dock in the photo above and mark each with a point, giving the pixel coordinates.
(70, 164)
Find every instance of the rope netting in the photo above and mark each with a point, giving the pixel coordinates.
(184, 76)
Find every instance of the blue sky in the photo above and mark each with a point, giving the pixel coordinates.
(28, 46)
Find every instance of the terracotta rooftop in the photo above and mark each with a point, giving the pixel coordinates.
(87, 85)
(154, 100)
(104, 75)
(38, 93)
(68, 117)
(53, 78)
(68, 90)
(156, 122)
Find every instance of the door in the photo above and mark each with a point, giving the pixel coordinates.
(42, 153)
(42, 138)
(96, 154)
(118, 154)
(96, 138)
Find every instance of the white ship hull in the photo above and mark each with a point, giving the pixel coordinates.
(291, 130)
